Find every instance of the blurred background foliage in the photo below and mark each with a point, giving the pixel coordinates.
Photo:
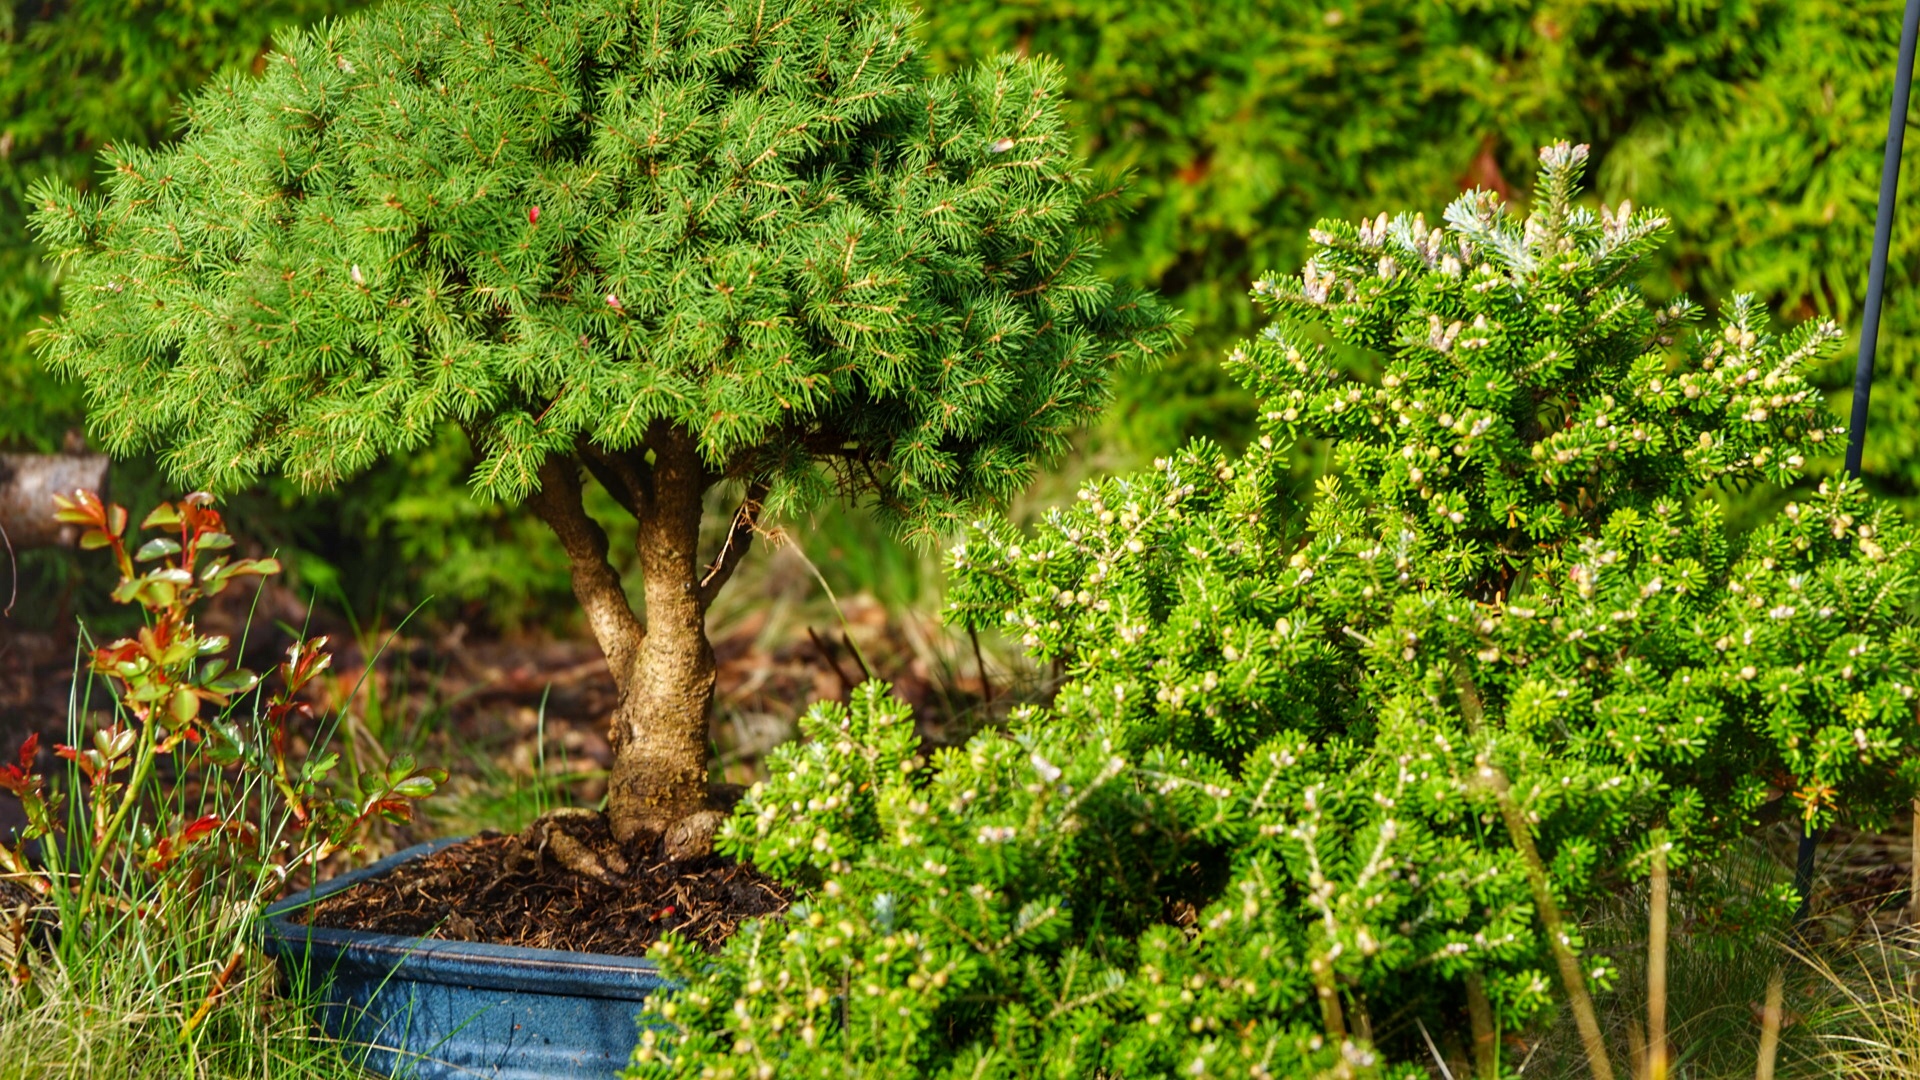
(1757, 124)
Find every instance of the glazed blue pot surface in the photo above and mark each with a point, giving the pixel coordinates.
(429, 1009)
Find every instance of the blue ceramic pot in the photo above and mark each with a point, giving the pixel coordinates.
(430, 1009)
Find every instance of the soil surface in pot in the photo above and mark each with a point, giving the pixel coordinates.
(488, 890)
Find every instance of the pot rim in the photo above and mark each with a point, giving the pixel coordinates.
(455, 963)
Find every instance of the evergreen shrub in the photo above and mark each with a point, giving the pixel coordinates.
(1330, 771)
(1246, 121)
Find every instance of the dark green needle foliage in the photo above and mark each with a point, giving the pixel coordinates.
(1330, 771)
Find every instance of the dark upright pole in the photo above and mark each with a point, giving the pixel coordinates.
(1870, 334)
(1882, 239)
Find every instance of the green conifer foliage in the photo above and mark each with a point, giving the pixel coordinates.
(678, 245)
(1757, 124)
(1774, 190)
(1324, 768)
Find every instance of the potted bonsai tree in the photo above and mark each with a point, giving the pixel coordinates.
(673, 249)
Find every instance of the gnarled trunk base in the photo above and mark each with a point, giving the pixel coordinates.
(658, 792)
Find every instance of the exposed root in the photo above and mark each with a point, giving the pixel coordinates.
(692, 836)
(579, 858)
(580, 840)
(549, 835)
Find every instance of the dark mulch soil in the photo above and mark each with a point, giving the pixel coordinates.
(487, 890)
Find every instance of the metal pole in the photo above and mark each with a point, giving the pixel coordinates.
(1870, 333)
(1882, 238)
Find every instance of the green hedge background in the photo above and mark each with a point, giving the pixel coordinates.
(1757, 124)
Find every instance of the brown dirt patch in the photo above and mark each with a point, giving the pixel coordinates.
(486, 890)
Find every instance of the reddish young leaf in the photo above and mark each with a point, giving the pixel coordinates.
(20, 778)
(109, 656)
(200, 827)
(197, 515)
(305, 659)
(88, 762)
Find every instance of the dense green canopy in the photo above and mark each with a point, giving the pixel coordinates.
(768, 226)
(1320, 774)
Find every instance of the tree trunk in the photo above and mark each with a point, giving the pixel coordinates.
(664, 670)
(660, 728)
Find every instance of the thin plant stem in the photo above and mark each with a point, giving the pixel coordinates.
(1657, 965)
(1913, 883)
(1770, 1017)
(103, 842)
(1486, 1046)
(13, 561)
(846, 628)
(1438, 1061)
(218, 987)
(1558, 940)
(986, 685)
(1330, 1015)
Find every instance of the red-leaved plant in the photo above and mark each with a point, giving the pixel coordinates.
(260, 805)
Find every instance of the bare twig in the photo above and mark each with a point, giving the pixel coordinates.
(214, 991)
(14, 562)
(986, 685)
(1558, 939)
(846, 629)
(1657, 966)
(734, 548)
(832, 657)
(1438, 1061)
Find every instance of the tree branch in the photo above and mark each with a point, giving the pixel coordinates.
(734, 548)
(627, 477)
(595, 582)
